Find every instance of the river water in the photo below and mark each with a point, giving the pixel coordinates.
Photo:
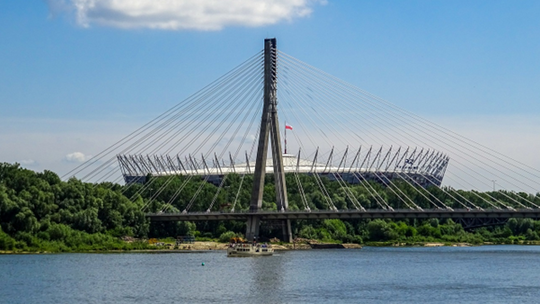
(486, 274)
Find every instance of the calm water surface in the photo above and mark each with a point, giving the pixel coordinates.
(488, 274)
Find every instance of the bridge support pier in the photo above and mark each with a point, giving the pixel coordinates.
(269, 130)
(287, 232)
(252, 230)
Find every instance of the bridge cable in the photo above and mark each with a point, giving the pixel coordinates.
(443, 189)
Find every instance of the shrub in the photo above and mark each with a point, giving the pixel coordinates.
(225, 237)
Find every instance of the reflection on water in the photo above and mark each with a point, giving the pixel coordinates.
(489, 274)
(267, 277)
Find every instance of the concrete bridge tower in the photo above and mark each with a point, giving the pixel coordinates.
(269, 128)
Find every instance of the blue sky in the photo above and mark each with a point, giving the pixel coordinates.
(76, 84)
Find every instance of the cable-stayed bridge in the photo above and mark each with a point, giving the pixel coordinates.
(351, 155)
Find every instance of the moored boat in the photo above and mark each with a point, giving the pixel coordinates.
(248, 249)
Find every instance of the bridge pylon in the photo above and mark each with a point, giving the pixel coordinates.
(269, 130)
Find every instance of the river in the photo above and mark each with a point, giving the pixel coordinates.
(486, 274)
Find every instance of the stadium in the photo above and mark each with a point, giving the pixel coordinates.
(422, 167)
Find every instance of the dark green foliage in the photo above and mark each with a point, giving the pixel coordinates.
(225, 237)
(39, 212)
(380, 230)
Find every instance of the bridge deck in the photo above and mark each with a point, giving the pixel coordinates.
(347, 214)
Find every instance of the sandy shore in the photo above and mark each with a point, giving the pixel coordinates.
(198, 246)
(209, 246)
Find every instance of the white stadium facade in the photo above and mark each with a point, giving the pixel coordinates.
(417, 166)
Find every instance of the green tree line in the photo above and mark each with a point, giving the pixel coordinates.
(40, 212)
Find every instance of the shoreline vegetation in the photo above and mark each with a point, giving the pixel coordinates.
(40, 213)
(205, 246)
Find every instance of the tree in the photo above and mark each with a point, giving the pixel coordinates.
(380, 230)
(336, 228)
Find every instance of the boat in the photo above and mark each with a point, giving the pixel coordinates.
(247, 250)
(243, 249)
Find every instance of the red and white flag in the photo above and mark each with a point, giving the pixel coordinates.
(288, 127)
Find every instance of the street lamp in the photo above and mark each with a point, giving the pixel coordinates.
(494, 181)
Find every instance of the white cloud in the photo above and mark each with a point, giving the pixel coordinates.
(76, 157)
(208, 15)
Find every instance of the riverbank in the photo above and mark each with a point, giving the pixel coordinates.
(203, 246)
(198, 246)
(191, 247)
(209, 245)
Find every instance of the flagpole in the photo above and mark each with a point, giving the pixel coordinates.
(285, 137)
